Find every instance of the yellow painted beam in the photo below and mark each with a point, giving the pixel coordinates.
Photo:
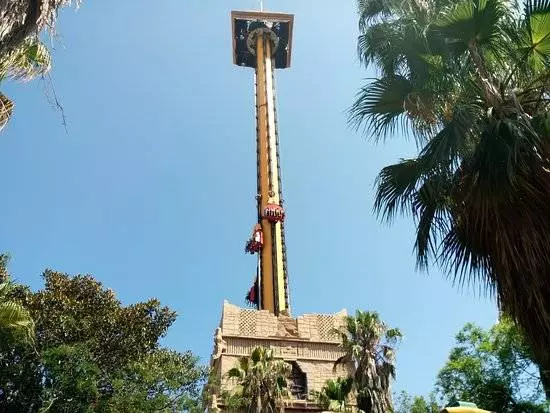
(267, 287)
(278, 255)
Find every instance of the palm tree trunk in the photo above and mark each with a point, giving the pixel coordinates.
(533, 315)
(544, 371)
(259, 403)
(534, 320)
(491, 92)
(364, 403)
(545, 379)
(14, 38)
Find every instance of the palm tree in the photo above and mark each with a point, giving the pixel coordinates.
(334, 394)
(29, 60)
(368, 344)
(470, 81)
(261, 382)
(22, 55)
(24, 19)
(13, 316)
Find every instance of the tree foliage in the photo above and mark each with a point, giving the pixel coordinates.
(72, 310)
(22, 55)
(493, 369)
(406, 403)
(335, 394)
(262, 382)
(24, 19)
(26, 62)
(14, 317)
(470, 81)
(92, 354)
(369, 346)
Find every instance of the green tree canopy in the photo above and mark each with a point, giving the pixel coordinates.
(93, 354)
(335, 394)
(493, 369)
(73, 310)
(470, 81)
(406, 403)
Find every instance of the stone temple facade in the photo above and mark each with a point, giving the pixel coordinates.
(306, 342)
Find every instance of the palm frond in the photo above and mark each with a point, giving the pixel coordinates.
(380, 105)
(430, 208)
(28, 61)
(453, 141)
(470, 21)
(6, 110)
(14, 29)
(396, 186)
(261, 381)
(537, 18)
(463, 263)
(505, 153)
(370, 351)
(393, 334)
(334, 394)
(14, 317)
(370, 10)
(377, 44)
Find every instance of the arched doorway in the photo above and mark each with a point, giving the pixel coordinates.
(298, 382)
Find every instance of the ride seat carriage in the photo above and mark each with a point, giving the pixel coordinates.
(256, 241)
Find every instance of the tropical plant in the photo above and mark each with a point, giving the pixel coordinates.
(470, 81)
(334, 394)
(24, 19)
(417, 404)
(14, 317)
(92, 354)
(29, 60)
(369, 346)
(262, 382)
(494, 369)
(71, 310)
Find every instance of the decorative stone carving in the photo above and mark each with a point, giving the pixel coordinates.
(289, 353)
(220, 346)
(287, 326)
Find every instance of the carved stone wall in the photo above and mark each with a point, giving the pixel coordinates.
(307, 340)
(242, 322)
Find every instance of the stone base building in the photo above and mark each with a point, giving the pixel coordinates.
(307, 343)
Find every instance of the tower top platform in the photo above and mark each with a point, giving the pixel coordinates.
(280, 26)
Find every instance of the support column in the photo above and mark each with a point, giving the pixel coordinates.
(267, 288)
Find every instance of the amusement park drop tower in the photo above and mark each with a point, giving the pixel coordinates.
(263, 41)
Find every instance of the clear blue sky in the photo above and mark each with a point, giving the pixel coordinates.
(152, 188)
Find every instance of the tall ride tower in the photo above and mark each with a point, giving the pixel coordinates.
(263, 41)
